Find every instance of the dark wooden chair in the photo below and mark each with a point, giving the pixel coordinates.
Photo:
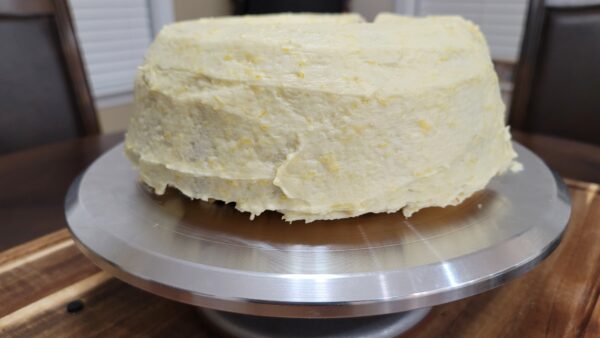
(44, 94)
(557, 84)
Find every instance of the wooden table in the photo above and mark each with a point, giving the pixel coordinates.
(39, 278)
(33, 185)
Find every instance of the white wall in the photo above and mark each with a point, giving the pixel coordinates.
(370, 8)
(193, 9)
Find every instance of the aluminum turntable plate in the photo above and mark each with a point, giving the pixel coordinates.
(213, 256)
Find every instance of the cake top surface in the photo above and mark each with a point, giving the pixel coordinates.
(336, 53)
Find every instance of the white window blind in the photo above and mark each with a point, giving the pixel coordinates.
(502, 22)
(113, 37)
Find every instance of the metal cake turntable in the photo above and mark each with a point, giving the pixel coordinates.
(269, 277)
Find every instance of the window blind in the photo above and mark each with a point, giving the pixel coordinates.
(113, 37)
(502, 22)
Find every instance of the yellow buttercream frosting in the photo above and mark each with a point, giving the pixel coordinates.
(320, 116)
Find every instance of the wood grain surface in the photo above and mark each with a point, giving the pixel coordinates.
(559, 298)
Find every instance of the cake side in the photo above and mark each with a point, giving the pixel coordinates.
(320, 121)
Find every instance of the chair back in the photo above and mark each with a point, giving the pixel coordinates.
(44, 94)
(557, 84)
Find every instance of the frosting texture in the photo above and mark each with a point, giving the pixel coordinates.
(320, 116)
